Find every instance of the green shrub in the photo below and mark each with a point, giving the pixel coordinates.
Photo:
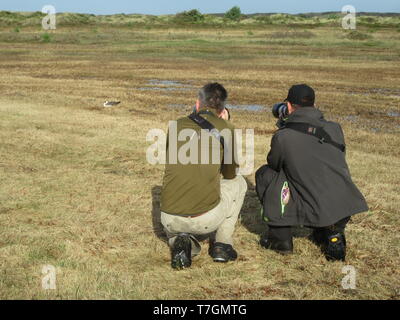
(263, 19)
(37, 14)
(16, 30)
(74, 19)
(367, 20)
(280, 18)
(333, 17)
(6, 14)
(192, 16)
(234, 14)
(46, 38)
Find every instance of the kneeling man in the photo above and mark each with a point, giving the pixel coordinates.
(307, 181)
(195, 199)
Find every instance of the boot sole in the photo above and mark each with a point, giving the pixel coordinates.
(220, 260)
(181, 259)
(222, 257)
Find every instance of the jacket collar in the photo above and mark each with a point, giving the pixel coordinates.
(306, 114)
(207, 111)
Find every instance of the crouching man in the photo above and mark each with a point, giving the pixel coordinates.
(307, 181)
(195, 199)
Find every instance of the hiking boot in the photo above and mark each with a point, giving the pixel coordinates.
(221, 252)
(283, 247)
(181, 252)
(335, 250)
(332, 244)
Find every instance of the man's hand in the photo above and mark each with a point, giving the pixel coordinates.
(225, 115)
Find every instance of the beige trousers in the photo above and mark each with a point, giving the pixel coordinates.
(221, 220)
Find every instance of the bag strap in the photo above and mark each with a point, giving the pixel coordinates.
(206, 125)
(315, 131)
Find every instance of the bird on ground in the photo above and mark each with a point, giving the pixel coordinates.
(109, 104)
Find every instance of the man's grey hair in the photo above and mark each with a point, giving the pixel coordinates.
(213, 95)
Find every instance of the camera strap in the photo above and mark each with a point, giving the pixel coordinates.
(315, 131)
(207, 125)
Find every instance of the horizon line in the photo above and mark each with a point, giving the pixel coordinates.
(213, 13)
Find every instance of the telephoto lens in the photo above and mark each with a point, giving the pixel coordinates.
(280, 110)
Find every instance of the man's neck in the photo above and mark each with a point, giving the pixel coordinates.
(208, 109)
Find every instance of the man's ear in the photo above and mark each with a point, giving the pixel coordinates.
(197, 105)
(290, 107)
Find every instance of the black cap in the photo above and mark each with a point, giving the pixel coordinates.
(302, 95)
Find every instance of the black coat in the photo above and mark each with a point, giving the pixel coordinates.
(307, 182)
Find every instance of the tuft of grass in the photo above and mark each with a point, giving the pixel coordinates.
(357, 35)
(46, 37)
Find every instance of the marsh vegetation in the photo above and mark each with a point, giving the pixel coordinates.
(77, 192)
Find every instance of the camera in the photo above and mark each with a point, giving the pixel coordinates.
(280, 110)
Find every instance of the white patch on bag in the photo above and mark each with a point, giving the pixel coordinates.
(285, 196)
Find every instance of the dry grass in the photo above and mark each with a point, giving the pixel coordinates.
(76, 190)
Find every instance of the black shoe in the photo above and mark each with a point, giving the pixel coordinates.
(332, 244)
(335, 250)
(222, 252)
(282, 247)
(181, 252)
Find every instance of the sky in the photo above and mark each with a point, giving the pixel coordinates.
(205, 6)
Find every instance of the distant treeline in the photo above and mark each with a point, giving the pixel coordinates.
(232, 17)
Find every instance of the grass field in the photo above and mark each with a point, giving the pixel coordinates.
(77, 192)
